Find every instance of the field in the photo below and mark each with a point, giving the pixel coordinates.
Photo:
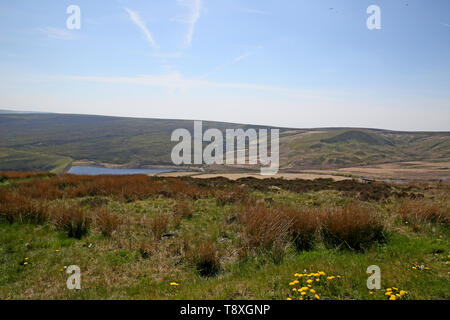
(140, 237)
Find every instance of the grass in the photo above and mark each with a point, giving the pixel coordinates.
(136, 243)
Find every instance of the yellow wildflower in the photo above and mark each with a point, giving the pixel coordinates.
(288, 299)
(317, 296)
(312, 290)
(174, 284)
(392, 297)
(309, 281)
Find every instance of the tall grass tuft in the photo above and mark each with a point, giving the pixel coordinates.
(106, 221)
(304, 227)
(204, 255)
(182, 209)
(265, 229)
(417, 212)
(159, 224)
(352, 226)
(70, 218)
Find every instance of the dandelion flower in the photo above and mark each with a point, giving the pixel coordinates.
(392, 297)
(309, 281)
(288, 299)
(174, 284)
(370, 292)
(317, 296)
(25, 263)
(312, 290)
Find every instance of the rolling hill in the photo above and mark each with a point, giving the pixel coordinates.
(46, 141)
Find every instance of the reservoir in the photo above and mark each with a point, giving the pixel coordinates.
(85, 170)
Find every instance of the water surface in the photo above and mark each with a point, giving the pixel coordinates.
(86, 170)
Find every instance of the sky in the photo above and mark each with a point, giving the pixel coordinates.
(287, 63)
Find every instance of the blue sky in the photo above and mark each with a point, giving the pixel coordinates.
(277, 62)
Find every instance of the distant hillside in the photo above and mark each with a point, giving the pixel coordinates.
(40, 141)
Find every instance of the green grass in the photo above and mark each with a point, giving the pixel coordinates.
(113, 267)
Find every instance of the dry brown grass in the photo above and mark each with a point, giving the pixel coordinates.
(422, 211)
(159, 224)
(352, 226)
(16, 208)
(231, 196)
(182, 209)
(304, 227)
(264, 228)
(106, 221)
(70, 218)
(21, 175)
(204, 255)
(124, 188)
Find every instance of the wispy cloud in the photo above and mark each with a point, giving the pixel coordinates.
(235, 60)
(195, 7)
(445, 25)
(242, 57)
(59, 33)
(256, 11)
(134, 16)
(173, 80)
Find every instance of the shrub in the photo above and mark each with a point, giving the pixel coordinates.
(264, 229)
(230, 196)
(159, 224)
(205, 257)
(107, 222)
(304, 226)
(351, 226)
(147, 248)
(182, 209)
(71, 219)
(421, 211)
